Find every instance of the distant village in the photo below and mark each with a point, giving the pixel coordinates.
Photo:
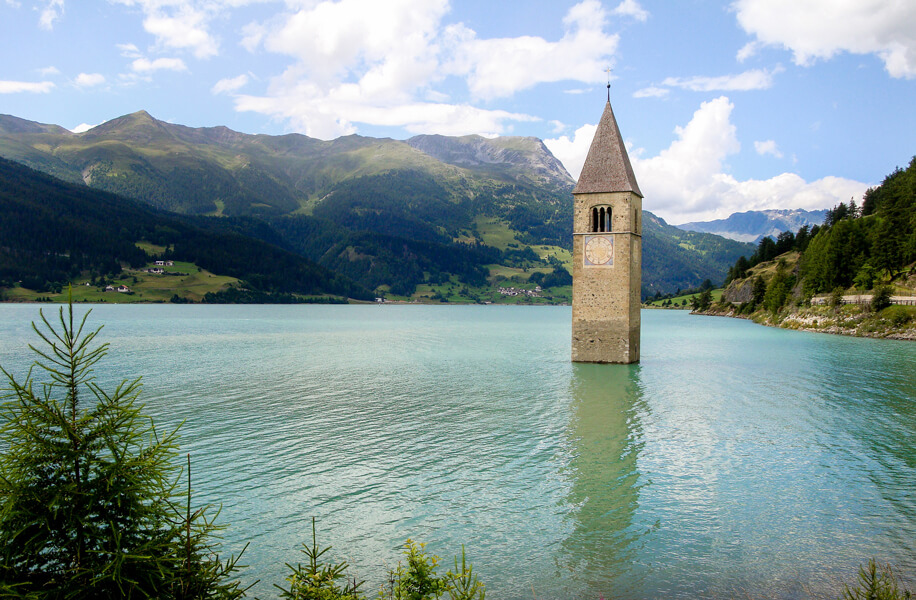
(157, 270)
(512, 291)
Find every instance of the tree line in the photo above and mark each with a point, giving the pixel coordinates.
(865, 247)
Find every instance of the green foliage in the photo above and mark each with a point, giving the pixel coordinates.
(376, 259)
(406, 204)
(676, 259)
(865, 278)
(876, 583)
(836, 297)
(778, 290)
(898, 315)
(759, 290)
(317, 580)
(881, 297)
(89, 505)
(463, 584)
(854, 246)
(234, 295)
(703, 301)
(418, 580)
(558, 277)
(52, 231)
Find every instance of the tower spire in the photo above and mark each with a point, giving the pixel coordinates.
(609, 85)
(607, 166)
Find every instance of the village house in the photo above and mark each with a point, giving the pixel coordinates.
(512, 291)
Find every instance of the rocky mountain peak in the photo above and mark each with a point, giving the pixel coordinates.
(475, 151)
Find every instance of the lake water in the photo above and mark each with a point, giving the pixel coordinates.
(734, 461)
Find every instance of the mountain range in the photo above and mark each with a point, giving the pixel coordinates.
(753, 225)
(387, 215)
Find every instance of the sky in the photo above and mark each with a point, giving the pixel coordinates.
(724, 106)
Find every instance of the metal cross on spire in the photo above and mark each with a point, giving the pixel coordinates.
(608, 84)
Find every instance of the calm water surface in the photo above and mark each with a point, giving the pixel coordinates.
(735, 461)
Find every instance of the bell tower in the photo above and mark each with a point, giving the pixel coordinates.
(607, 251)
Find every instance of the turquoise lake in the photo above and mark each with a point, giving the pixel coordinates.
(735, 461)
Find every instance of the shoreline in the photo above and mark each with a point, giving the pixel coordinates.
(819, 320)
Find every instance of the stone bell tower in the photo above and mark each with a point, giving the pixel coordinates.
(607, 251)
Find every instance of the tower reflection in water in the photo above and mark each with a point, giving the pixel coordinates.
(605, 439)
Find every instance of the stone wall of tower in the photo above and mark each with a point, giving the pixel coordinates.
(606, 299)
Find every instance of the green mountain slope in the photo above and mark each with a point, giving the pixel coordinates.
(389, 214)
(53, 231)
(220, 171)
(676, 259)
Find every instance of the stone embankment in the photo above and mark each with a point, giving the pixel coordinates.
(897, 323)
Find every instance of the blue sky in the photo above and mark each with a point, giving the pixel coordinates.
(725, 106)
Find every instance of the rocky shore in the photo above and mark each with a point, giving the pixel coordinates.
(894, 322)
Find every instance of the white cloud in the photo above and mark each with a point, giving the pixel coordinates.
(391, 45)
(252, 36)
(16, 87)
(144, 65)
(767, 147)
(14, 3)
(820, 29)
(688, 180)
(49, 71)
(129, 50)
(436, 96)
(182, 24)
(82, 128)
(497, 68)
(89, 79)
(53, 10)
(186, 29)
(577, 91)
(756, 79)
(748, 50)
(556, 126)
(334, 114)
(229, 85)
(631, 8)
(365, 61)
(572, 152)
(651, 92)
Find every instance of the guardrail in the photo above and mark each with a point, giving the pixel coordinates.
(865, 299)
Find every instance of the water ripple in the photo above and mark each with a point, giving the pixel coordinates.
(734, 461)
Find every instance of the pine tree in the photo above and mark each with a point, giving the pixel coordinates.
(89, 499)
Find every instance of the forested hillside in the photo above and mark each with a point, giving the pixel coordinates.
(392, 216)
(861, 245)
(678, 259)
(858, 249)
(52, 232)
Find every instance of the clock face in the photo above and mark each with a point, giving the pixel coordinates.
(599, 251)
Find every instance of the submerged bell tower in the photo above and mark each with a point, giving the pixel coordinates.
(607, 251)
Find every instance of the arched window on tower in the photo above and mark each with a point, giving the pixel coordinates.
(600, 219)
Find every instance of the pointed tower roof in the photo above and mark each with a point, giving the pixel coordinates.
(607, 167)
